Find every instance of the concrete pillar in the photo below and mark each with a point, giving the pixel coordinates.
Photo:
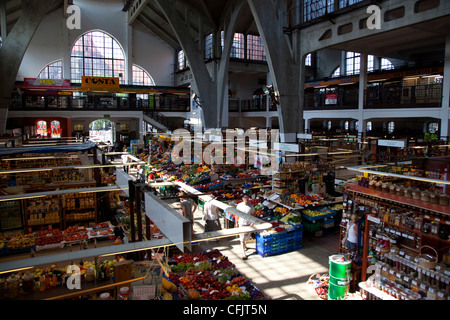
(307, 125)
(14, 47)
(128, 77)
(361, 93)
(211, 86)
(285, 64)
(445, 108)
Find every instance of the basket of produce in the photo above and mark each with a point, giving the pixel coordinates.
(426, 260)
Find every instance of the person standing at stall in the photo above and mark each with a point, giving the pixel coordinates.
(211, 217)
(352, 233)
(188, 207)
(246, 207)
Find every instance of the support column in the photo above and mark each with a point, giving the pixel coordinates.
(285, 64)
(445, 107)
(361, 94)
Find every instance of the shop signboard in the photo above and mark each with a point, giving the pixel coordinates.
(290, 147)
(47, 86)
(392, 143)
(331, 98)
(100, 82)
(305, 136)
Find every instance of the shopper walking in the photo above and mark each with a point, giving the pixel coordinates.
(188, 207)
(246, 207)
(211, 217)
(352, 233)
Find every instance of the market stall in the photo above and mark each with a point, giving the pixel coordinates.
(406, 236)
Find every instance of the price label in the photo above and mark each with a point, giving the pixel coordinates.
(423, 286)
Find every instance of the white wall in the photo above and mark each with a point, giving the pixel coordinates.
(153, 55)
(53, 41)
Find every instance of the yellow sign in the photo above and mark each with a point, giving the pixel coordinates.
(100, 82)
(65, 93)
(47, 82)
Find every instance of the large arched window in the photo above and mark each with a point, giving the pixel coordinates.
(53, 71)
(386, 64)
(96, 53)
(141, 77)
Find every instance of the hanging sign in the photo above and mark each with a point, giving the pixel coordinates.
(331, 98)
(290, 147)
(392, 143)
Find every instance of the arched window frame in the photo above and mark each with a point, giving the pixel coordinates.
(54, 70)
(141, 77)
(90, 59)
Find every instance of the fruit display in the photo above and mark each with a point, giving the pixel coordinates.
(75, 233)
(291, 218)
(21, 241)
(220, 281)
(318, 213)
(52, 236)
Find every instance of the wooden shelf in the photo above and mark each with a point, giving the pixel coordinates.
(445, 210)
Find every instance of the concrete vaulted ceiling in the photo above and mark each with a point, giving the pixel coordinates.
(208, 16)
(205, 14)
(10, 11)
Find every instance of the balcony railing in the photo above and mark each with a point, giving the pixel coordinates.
(420, 96)
(95, 103)
(258, 104)
(380, 97)
(342, 99)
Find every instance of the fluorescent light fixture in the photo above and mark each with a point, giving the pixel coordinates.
(432, 76)
(24, 170)
(17, 270)
(378, 80)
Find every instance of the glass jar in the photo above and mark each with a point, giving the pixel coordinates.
(105, 296)
(431, 293)
(124, 293)
(28, 283)
(391, 276)
(441, 295)
(12, 286)
(90, 274)
(415, 284)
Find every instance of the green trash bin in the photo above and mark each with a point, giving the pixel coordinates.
(340, 273)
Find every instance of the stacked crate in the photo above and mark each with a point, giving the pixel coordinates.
(276, 243)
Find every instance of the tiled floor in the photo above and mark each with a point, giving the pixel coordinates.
(284, 276)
